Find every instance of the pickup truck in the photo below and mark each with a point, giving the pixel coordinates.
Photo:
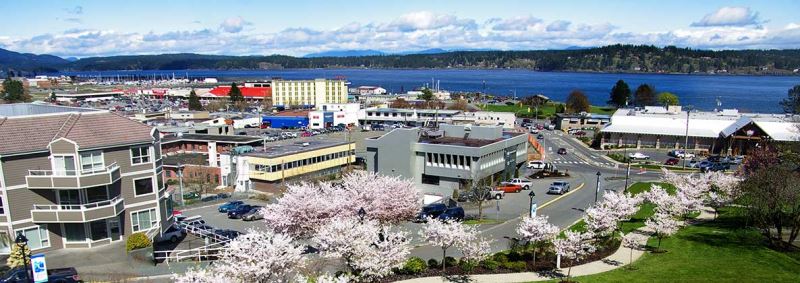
(487, 195)
(60, 275)
(509, 188)
(525, 184)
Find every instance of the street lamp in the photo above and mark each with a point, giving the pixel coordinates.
(22, 243)
(530, 208)
(597, 190)
(361, 214)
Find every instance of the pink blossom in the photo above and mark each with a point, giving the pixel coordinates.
(574, 246)
(663, 225)
(537, 229)
(601, 220)
(449, 233)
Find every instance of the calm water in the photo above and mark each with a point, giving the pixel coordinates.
(747, 93)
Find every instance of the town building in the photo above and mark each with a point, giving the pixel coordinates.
(447, 157)
(370, 90)
(266, 168)
(88, 96)
(250, 92)
(412, 117)
(78, 178)
(486, 118)
(307, 93)
(581, 121)
(329, 115)
(726, 131)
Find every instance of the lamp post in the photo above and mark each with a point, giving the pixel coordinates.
(597, 190)
(530, 208)
(22, 243)
(361, 214)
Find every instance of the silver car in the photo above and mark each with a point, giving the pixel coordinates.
(559, 187)
(253, 214)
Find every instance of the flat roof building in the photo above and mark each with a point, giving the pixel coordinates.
(447, 157)
(308, 93)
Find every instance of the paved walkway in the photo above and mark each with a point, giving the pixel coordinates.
(618, 259)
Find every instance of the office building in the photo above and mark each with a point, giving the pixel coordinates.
(78, 178)
(581, 121)
(447, 157)
(307, 93)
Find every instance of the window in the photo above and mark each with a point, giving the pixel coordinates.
(37, 237)
(143, 186)
(2, 209)
(5, 242)
(143, 220)
(99, 229)
(74, 232)
(92, 161)
(140, 155)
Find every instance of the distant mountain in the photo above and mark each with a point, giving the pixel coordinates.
(612, 58)
(71, 59)
(425, 51)
(30, 62)
(345, 53)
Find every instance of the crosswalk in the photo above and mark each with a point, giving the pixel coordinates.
(609, 164)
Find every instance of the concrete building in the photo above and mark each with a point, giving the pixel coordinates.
(90, 96)
(265, 167)
(78, 178)
(580, 121)
(726, 131)
(486, 118)
(329, 115)
(369, 90)
(447, 157)
(413, 117)
(308, 93)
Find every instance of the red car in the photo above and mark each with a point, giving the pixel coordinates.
(671, 161)
(510, 188)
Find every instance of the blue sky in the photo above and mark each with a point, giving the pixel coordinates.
(298, 27)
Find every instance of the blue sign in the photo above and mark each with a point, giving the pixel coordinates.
(534, 206)
(39, 268)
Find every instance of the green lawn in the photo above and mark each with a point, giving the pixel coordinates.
(717, 251)
(547, 110)
(637, 220)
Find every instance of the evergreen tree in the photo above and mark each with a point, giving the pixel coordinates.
(620, 94)
(235, 94)
(792, 103)
(645, 95)
(14, 92)
(194, 102)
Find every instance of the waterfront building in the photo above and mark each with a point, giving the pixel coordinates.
(308, 93)
(581, 121)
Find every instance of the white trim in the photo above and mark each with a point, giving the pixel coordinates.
(39, 228)
(91, 152)
(157, 220)
(3, 189)
(147, 171)
(150, 157)
(16, 187)
(152, 183)
(140, 203)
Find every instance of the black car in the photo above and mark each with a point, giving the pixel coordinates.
(227, 233)
(454, 213)
(65, 275)
(238, 211)
(718, 166)
(562, 151)
(432, 210)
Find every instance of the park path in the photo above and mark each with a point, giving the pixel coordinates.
(616, 260)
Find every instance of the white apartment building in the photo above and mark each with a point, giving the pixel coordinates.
(308, 92)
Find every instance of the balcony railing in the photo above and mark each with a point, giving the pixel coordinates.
(72, 179)
(77, 213)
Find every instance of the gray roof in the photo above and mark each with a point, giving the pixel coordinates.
(273, 151)
(214, 138)
(24, 109)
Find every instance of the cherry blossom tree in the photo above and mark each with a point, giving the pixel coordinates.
(537, 231)
(623, 205)
(574, 246)
(664, 202)
(629, 242)
(369, 250)
(446, 234)
(724, 189)
(474, 248)
(257, 256)
(663, 225)
(305, 207)
(601, 220)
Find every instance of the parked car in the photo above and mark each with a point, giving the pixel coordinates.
(733, 159)
(539, 136)
(191, 195)
(253, 214)
(714, 158)
(525, 184)
(681, 154)
(638, 156)
(432, 210)
(173, 234)
(227, 233)
(536, 164)
(508, 188)
(704, 165)
(671, 161)
(229, 205)
(562, 151)
(717, 166)
(559, 187)
(454, 213)
(238, 211)
(534, 130)
(60, 275)
(487, 195)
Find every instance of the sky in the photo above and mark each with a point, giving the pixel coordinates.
(299, 27)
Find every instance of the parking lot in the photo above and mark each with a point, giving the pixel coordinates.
(219, 220)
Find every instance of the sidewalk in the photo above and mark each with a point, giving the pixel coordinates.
(614, 261)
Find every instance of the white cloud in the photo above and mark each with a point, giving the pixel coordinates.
(729, 16)
(233, 25)
(413, 31)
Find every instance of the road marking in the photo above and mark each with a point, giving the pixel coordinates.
(561, 196)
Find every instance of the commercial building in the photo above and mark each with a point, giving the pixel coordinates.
(265, 166)
(78, 178)
(369, 90)
(486, 118)
(726, 131)
(89, 96)
(412, 117)
(447, 157)
(581, 121)
(328, 115)
(308, 93)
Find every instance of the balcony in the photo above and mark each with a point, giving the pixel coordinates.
(72, 179)
(77, 213)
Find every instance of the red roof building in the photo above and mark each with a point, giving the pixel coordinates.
(247, 92)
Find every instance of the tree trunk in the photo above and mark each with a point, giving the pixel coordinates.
(630, 257)
(659, 244)
(444, 256)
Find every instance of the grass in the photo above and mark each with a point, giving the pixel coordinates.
(482, 221)
(547, 110)
(717, 251)
(637, 220)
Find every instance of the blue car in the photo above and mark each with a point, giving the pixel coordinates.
(237, 212)
(230, 205)
(454, 213)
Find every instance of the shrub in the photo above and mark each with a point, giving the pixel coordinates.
(450, 261)
(137, 241)
(414, 265)
(490, 264)
(467, 265)
(516, 265)
(501, 258)
(433, 263)
(514, 256)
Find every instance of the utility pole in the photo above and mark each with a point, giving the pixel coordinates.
(686, 139)
(180, 184)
